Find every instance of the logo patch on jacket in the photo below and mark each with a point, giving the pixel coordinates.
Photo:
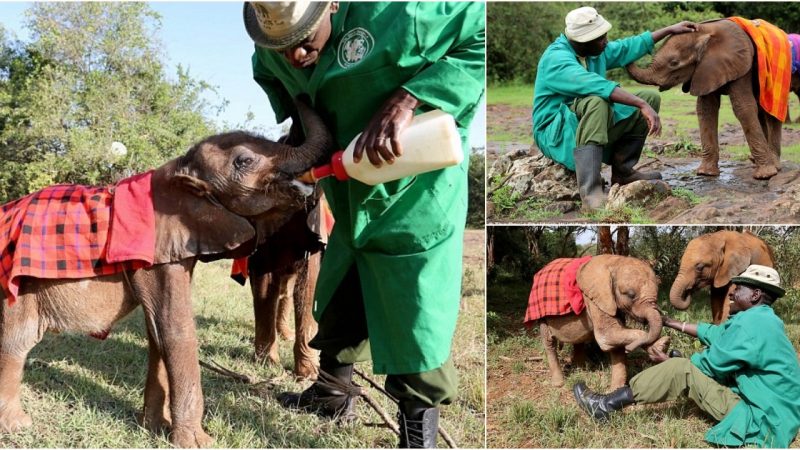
(354, 47)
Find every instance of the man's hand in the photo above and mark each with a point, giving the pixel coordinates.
(653, 121)
(678, 28)
(381, 137)
(657, 356)
(683, 27)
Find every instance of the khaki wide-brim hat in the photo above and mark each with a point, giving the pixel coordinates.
(585, 24)
(281, 25)
(762, 277)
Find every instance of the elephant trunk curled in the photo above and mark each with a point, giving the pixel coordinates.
(318, 143)
(652, 317)
(679, 294)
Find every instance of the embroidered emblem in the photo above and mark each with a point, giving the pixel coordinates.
(354, 47)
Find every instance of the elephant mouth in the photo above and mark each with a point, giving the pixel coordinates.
(304, 188)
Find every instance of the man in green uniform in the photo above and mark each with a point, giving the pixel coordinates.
(581, 119)
(748, 377)
(390, 281)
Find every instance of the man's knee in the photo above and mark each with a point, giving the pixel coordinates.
(593, 104)
(652, 98)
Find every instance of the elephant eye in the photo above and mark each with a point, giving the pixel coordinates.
(631, 294)
(674, 63)
(243, 161)
(699, 267)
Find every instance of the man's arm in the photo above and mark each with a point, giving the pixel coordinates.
(650, 115)
(683, 327)
(279, 98)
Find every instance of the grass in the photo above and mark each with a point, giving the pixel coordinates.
(525, 411)
(510, 95)
(84, 393)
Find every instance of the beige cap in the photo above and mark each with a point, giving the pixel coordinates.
(585, 24)
(762, 277)
(280, 25)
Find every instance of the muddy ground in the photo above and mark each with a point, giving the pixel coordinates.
(733, 197)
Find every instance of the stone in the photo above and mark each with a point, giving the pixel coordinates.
(640, 193)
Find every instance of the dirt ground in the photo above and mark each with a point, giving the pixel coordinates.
(474, 248)
(733, 197)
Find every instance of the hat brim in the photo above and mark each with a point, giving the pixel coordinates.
(601, 29)
(772, 289)
(316, 13)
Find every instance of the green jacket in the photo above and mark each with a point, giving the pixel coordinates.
(751, 354)
(405, 237)
(561, 78)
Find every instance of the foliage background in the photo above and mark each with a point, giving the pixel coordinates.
(520, 32)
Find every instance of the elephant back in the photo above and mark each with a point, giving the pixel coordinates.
(555, 291)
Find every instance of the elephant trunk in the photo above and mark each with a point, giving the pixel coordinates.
(679, 294)
(644, 76)
(652, 317)
(318, 143)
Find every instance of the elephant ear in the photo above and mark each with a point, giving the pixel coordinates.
(596, 281)
(735, 259)
(190, 223)
(724, 54)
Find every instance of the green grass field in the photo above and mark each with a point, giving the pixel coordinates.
(678, 118)
(526, 412)
(82, 392)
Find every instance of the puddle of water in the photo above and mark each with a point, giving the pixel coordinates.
(684, 176)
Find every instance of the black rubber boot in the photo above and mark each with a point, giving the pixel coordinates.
(588, 162)
(419, 425)
(626, 155)
(332, 396)
(601, 406)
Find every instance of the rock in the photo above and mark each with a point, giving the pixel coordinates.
(668, 208)
(641, 193)
(788, 204)
(531, 174)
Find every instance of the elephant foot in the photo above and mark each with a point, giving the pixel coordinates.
(765, 172)
(153, 422)
(708, 169)
(265, 356)
(305, 370)
(190, 438)
(557, 380)
(14, 419)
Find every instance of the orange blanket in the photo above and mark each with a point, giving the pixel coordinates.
(774, 64)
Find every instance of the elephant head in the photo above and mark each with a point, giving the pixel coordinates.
(713, 259)
(616, 284)
(230, 191)
(703, 61)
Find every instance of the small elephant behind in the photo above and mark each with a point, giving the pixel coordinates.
(577, 300)
(711, 260)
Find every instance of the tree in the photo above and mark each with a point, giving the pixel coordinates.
(91, 75)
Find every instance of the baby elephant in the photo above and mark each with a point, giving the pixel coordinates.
(577, 300)
(78, 258)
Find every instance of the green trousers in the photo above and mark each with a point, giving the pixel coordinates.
(596, 122)
(678, 377)
(343, 336)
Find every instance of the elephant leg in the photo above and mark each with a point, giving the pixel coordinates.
(165, 294)
(745, 107)
(156, 413)
(708, 118)
(774, 130)
(20, 331)
(619, 371)
(266, 289)
(578, 358)
(285, 306)
(305, 358)
(549, 342)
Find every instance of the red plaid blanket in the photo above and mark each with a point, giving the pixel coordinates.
(63, 232)
(555, 291)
